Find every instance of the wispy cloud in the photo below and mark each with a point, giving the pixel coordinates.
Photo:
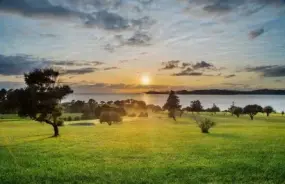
(268, 70)
(255, 33)
(197, 69)
(169, 65)
(78, 71)
(19, 64)
(111, 68)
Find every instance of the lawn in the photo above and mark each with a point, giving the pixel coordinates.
(152, 150)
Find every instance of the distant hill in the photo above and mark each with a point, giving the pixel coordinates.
(224, 92)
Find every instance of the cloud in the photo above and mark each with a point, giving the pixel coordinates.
(107, 20)
(218, 7)
(77, 63)
(49, 35)
(255, 33)
(268, 71)
(169, 65)
(240, 7)
(138, 39)
(184, 65)
(203, 65)
(79, 71)
(197, 69)
(186, 73)
(95, 13)
(230, 76)
(111, 68)
(35, 8)
(19, 64)
(108, 47)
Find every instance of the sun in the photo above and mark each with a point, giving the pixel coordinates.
(145, 80)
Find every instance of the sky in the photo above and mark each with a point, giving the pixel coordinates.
(132, 46)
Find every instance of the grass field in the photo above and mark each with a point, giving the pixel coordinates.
(153, 150)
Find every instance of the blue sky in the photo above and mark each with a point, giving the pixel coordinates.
(108, 45)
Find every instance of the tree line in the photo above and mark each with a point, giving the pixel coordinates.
(173, 105)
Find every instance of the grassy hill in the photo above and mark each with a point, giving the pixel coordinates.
(146, 150)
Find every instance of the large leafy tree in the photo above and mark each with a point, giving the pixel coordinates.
(172, 104)
(40, 100)
(252, 110)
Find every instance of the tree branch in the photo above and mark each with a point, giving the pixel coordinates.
(48, 122)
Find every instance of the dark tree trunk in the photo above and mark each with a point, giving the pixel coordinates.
(55, 129)
(267, 114)
(251, 117)
(205, 131)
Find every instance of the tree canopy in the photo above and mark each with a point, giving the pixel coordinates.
(40, 100)
(268, 110)
(252, 110)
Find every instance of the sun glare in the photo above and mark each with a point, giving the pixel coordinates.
(145, 80)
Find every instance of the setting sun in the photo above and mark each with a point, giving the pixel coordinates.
(145, 80)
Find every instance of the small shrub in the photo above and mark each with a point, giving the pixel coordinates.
(64, 119)
(204, 123)
(69, 118)
(282, 113)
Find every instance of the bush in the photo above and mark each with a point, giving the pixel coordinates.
(204, 123)
(110, 117)
(143, 115)
(69, 118)
(132, 115)
(282, 113)
(77, 118)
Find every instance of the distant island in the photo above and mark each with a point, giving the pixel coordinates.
(224, 92)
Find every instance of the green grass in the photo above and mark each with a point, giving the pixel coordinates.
(153, 150)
